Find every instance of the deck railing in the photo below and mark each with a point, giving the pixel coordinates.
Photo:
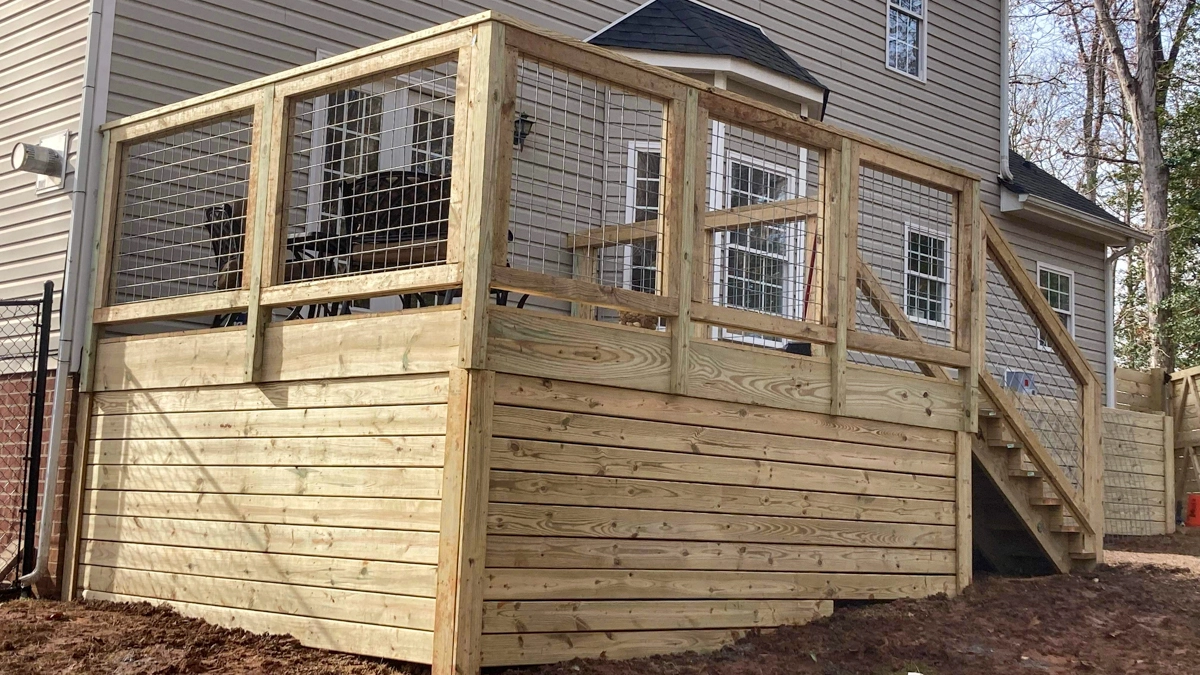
(488, 161)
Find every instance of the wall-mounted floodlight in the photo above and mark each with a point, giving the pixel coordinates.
(47, 159)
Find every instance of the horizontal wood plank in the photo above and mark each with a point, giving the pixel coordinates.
(382, 609)
(534, 648)
(300, 570)
(352, 512)
(539, 552)
(375, 391)
(405, 482)
(526, 520)
(296, 451)
(549, 425)
(406, 420)
(344, 636)
(571, 490)
(567, 396)
(566, 617)
(594, 460)
(321, 541)
(516, 584)
(526, 343)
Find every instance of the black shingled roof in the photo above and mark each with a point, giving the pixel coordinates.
(688, 27)
(1028, 178)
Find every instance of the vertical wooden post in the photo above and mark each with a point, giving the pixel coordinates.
(1169, 471)
(480, 181)
(963, 512)
(1158, 386)
(680, 215)
(458, 609)
(267, 165)
(1093, 462)
(970, 298)
(843, 237)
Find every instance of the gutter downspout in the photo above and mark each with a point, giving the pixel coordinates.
(1110, 317)
(73, 302)
(1005, 103)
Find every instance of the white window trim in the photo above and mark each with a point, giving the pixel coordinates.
(909, 228)
(631, 205)
(922, 37)
(1042, 343)
(793, 283)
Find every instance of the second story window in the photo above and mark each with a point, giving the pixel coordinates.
(927, 279)
(642, 200)
(906, 37)
(1058, 286)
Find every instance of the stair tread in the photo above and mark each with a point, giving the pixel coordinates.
(1045, 501)
(1024, 473)
(1083, 555)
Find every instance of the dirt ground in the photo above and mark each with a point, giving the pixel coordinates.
(1139, 614)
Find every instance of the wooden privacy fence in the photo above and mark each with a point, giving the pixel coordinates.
(1185, 411)
(1139, 473)
(1142, 391)
(755, 258)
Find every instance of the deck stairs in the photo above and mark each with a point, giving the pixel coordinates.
(1020, 524)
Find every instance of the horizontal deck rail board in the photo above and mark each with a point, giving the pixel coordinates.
(549, 617)
(378, 513)
(375, 284)
(221, 302)
(383, 609)
(361, 575)
(560, 288)
(595, 460)
(564, 396)
(570, 521)
(534, 553)
(515, 584)
(598, 430)
(292, 451)
(312, 540)
(520, 487)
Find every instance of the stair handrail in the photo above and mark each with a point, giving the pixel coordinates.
(1036, 451)
(1006, 259)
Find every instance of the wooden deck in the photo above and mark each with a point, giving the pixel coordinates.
(471, 484)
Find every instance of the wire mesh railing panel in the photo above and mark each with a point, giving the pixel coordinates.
(763, 230)
(907, 239)
(181, 226)
(22, 324)
(369, 186)
(1029, 367)
(586, 197)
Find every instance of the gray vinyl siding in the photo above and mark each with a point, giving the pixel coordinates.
(168, 50)
(42, 52)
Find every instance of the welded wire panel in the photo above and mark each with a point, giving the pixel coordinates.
(181, 225)
(762, 231)
(906, 237)
(369, 187)
(586, 199)
(1036, 376)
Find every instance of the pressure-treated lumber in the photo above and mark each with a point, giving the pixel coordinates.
(548, 617)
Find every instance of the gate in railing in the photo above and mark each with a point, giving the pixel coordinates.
(24, 356)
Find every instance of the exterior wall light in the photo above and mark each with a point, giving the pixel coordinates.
(522, 127)
(47, 159)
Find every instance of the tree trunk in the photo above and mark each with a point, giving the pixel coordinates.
(1158, 254)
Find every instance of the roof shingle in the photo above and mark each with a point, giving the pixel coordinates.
(688, 27)
(1028, 178)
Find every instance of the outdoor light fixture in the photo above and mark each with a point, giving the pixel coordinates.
(522, 127)
(47, 159)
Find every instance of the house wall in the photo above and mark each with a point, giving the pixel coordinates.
(43, 46)
(306, 504)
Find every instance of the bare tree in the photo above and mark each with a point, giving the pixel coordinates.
(1144, 70)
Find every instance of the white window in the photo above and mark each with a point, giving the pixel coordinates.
(758, 267)
(1058, 287)
(927, 277)
(906, 37)
(643, 201)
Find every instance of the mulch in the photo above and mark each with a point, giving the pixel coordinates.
(1139, 614)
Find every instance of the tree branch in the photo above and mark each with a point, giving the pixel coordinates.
(1168, 67)
(1125, 77)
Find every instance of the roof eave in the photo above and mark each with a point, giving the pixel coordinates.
(815, 97)
(1041, 210)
